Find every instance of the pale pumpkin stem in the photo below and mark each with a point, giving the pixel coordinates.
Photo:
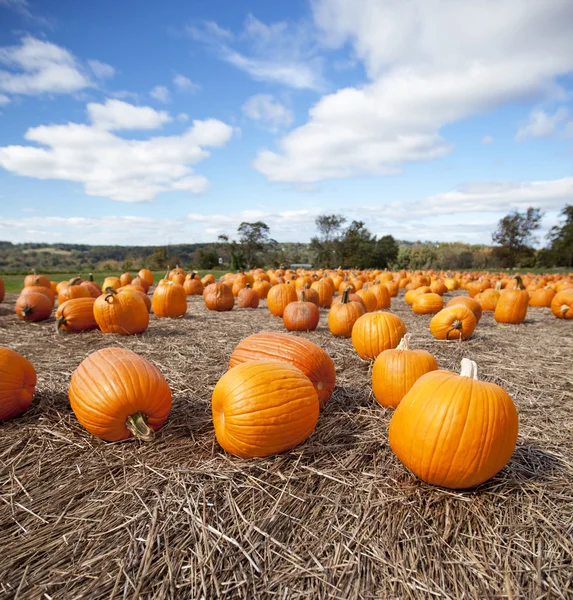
(138, 426)
(59, 322)
(469, 369)
(405, 342)
(564, 308)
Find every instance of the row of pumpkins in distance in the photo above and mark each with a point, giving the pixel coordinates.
(122, 304)
(450, 430)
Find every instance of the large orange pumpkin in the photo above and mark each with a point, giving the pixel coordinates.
(471, 303)
(219, 297)
(343, 315)
(396, 371)
(562, 304)
(427, 304)
(312, 360)
(33, 306)
(124, 313)
(453, 322)
(116, 394)
(279, 297)
(76, 315)
(512, 304)
(453, 430)
(301, 315)
(17, 384)
(262, 408)
(375, 332)
(169, 300)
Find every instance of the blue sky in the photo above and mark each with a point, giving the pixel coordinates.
(145, 123)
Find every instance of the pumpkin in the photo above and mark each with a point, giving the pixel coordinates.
(392, 287)
(346, 285)
(475, 287)
(279, 297)
(76, 315)
(263, 408)
(382, 294)
(74, 290)
(137, 291)
(471, 303)
(125, 278)
(396, 371)
(114, 282)
(35, 279)
(453, 322)
(312, 360)
(33, 306)
(124, 313)
(169, 300)
(38, 289)
(343, 315)
(453, 430)
(562, 304)
(542, 297)
(427, 304)
(301, 315)
(247, 297)
(2, 289)
(193, 285)
(325, 292)
(147, 275)
(92, 287)
(375, 332)
(116, 394)
(219, 297)
(488, 299)
(262, 287)
(140, 281)
(512, 304)
(310, 295)
(208, 279)
(17, 384)
(369, 299)
(438, 287)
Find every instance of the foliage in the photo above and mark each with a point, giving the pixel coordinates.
(561, 238)
(254, 238)
(514, 236)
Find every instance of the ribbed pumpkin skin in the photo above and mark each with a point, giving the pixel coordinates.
(34, 279)
(193, 285)
(247, 298)
(279, 297)
(310, 295)
(262, 288)
(263, 408)
(427, 304)
(369, 299)
(78, 315)
(375, 332)
(38, 289)
(453, 322)
(124, 313)
(112, 384)
(73, 291)
(488, 299)
(301, 316)
(169, 300)
(396, 371)
(219, 297)
(382, 294)
(33, 306)
(511, 307)
(542, 297)
(471, 303)
(17, 384)
(147, 275)
(562, 304)
(325, 292)
(454, 431)
(312, 360)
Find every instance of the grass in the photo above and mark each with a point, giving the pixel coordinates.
(14, 283)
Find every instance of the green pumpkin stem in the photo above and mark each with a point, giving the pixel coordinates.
(344, 299)
(519, 284)
(138, 426)
(456, 325)
(111, 292)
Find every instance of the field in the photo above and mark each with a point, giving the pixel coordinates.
(337, 517)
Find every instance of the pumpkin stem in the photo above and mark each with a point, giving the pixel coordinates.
(456, 324)
(519, 282)
(26, 310)
(59, 322)
(344, 299)
(110, 292)
(405, 342)
(302, 296)
(469, 369)
(90, 277)
(138, 426)
(564, 308)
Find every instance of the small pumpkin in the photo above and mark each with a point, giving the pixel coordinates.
(169, 300)
(147, 275)
(125, 278)
(369, 299)
(471, 303)
(453, 430)
(114, 282)
(262, 287)
(301, 315)
(343, 315)
(116, 394)
(427, 304)
(219, 297)
(17, 384)
(35, 279)
(247, 297)
(263, 408)
(325, 292)
(382, 293)
(542, 297)
(33, 306)
(124, 313)
(140, 281)
(375, 332)
(396, 370)
(73, 290)
(562, 304)
(193, 285)
(76, 315)
(488, 299)
(311, 359)
(40, 290)
(310, 295)
(512, 304)
(279, 297)
(453, 322)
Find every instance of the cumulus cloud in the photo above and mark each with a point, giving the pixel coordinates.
(268, 111)
(542, 124)
(101, 70)
(184, 83)
(107, 165)
(4, 99)
(423, 73)
(161, 93)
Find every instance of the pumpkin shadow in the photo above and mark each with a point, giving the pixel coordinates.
(5, 310)
(532, 463)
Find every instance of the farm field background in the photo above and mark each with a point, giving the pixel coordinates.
(336, 517)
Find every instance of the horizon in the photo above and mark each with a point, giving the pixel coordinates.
(175, 128)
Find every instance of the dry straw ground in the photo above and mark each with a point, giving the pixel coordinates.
(337, 517)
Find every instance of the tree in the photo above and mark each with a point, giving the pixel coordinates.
(325, 244)
(386, 252)
(254, 238)
(232, 248)
(514, 234)
(561, 237)
(206, 257)
(158, 260)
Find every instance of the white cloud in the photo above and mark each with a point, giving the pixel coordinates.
(116, 115)
(121, 169)
(183, 117)
(542, 124)
(161, 93)
(424, 73)
(101, 70)
(4, 99)
(37, 67)
(267, 110)
(184, 83)
(283, 53)
(487, 139)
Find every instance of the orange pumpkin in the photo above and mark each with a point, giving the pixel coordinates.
(301, 315)
(33, 306)
(369, 299)
(343, 315)
(116, 394)
(453, 322)
(488, 299)
(124, 313)
(38, 289)
(219, 297)
(312, 360)
(169, 300)
(262, 288)
(542, 297)
(512, 304)
(74, 290)
(471, 303)
(453, 430)
(325, 292)
(193, 285)
(147, 275)
(76, 315)
(247, 297)
(375, 332)
(396, 371)
(562, 304)
(382, 294)
(17, 384)
(125, 278)
(35, 279)
(263, 408)
(427, 304)
(310, 295)
(279, 297)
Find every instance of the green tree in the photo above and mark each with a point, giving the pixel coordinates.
(514, 234)
(385, 252)
(561, 237)
(254, 238)
(207, 257)
(231, 247)
(158, 260)
(326, 244)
